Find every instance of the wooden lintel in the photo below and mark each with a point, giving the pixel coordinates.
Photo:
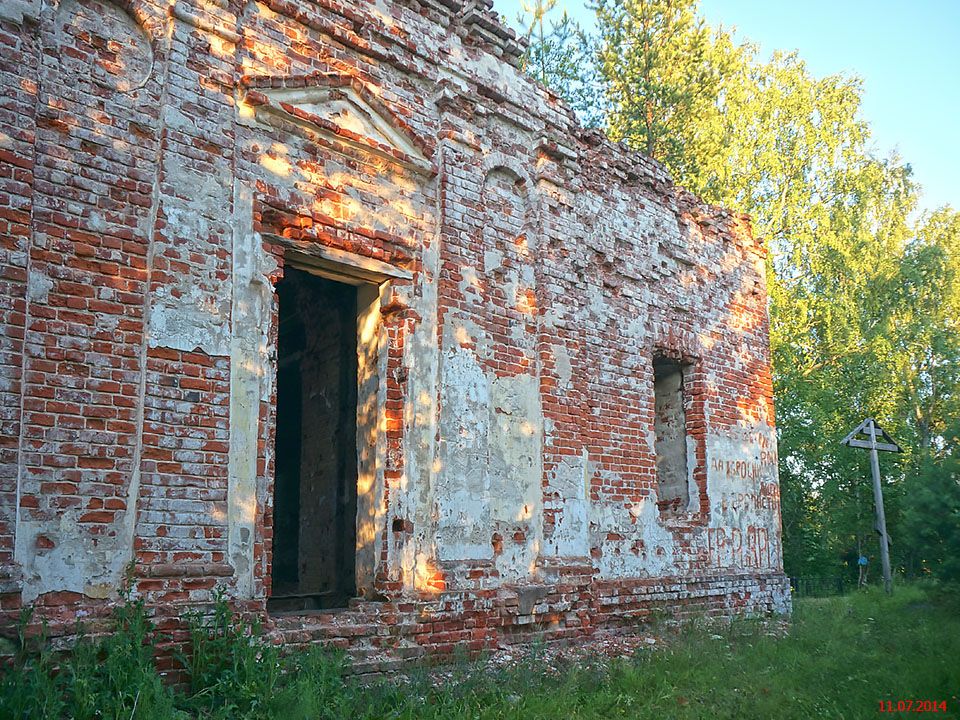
(336, 264)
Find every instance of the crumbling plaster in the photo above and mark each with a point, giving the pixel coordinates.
(506, 429)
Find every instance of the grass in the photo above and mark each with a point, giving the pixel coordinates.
(839, 659)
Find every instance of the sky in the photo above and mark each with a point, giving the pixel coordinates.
(907, 53)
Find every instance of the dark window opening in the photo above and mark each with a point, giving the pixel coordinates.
(315, 490)
(670, 425)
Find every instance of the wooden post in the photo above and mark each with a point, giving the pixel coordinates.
(881, 516)
(865, 436)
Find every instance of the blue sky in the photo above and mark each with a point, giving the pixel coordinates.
(908, 54)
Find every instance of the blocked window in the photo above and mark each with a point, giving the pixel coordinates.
(670, 426)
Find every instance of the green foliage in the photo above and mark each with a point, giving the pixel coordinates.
(661, 75)
(839, 658)
(115, 676)
(931, 521)
(110, 677)
(559, 55)
(29, 687)
(864, 296)
(313, 686)
(232, 670)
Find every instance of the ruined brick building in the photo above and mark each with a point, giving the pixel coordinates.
(325, 303)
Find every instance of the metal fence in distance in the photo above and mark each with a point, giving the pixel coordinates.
(821, 586)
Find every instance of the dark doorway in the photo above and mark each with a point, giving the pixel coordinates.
(315, 491)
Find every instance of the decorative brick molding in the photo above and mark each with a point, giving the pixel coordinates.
(165, 170)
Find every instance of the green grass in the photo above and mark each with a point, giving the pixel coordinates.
(839, 659)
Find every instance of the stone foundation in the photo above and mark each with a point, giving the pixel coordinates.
(383, 636)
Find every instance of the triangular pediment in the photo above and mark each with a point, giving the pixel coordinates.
(338, 109)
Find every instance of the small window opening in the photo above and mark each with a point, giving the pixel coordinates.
(670, 425)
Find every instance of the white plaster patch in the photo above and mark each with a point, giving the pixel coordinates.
(470, 283)
(193, 311)
(251, 379)
(596, 303)
(38, 287)
(78, 562)
(462, 485)
(562, 365)
(516, 469)
(96, 221)
(744, 492)
(646, 548)
(492, 259)
(571, 482)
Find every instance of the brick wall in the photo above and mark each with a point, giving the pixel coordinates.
(163, 163)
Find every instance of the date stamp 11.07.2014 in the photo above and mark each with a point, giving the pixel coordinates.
(913, 706)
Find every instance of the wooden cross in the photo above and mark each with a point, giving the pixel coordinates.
(870, 436)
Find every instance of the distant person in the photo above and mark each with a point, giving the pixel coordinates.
(863, 564)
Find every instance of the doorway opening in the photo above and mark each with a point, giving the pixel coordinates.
(316, 465)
